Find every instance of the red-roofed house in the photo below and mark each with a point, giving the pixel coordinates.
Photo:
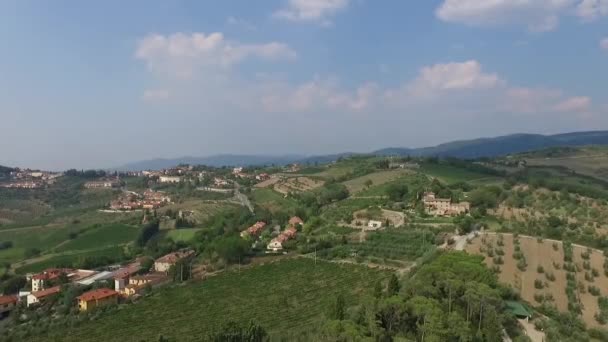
(276, 244)
(164, 263)
(40, 280)
(7, 303)
(121, 276)
(254, 230)
(295, 221)
(92, 299)
(39, 296)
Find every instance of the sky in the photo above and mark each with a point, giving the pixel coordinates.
(98, 84)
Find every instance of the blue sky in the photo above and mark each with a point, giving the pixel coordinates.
(98, 84)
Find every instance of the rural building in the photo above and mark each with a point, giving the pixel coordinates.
(97, 276)
(295, 222)
(443, 206)
(7, 303)
(220, 182)
(164, 263)
(103, 184)
(23, 185)
(40, 280)
(122, 275)
(262, 177)
(237, 170)
(157, 196)
(41, 296)
(138, 283)
(254, 230)
(169, 179)
(96, 298)
(373, 224)
(275, 245)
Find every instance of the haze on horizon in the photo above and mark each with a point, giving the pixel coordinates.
(100, 84)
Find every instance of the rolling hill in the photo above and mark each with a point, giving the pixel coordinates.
(475, 148)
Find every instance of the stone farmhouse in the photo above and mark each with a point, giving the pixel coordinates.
(443, 206)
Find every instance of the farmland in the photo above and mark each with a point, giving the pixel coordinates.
(102, 236)
(356, 185)
(172, 311)
(72, 259)
(451, 174)
(590, 161)
(548, 275)
(297, 184)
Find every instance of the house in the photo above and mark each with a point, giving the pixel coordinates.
(262, 177)
(7, 303)
(373, 224)
(164, 263)
(157, 196)
(103, 184)
(295, 222)
(40, 280)
(237, 170)
(140, 282)
(122, 275)
(220, 182)
(169, 179)
(275, 245)
(96, 298)
(254, 230)
(443, 206)
(40, 296)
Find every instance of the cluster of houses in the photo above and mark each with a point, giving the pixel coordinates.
(104, 183)
(30, 179)
(289, 233)
(436, 206)
(239, 173)
(129, 281)
(150, 199)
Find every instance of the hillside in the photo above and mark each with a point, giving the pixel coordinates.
(469, 149)
(588, 160)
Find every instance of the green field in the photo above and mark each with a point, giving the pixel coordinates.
(109, 235)
(271, 200)
(69, 258)
(289, 298)
(41, 238)
(183, 234)
(412, 180)
(357, 185)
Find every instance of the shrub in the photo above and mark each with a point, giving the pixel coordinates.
(538, 284)
(550, 276)
(555, 246)
(540, 269)
(539, 298)
(522, 265)
(594, 291)
(586, 265)
(556, 265)
(595, 272)
(498, 260)
(588, 277)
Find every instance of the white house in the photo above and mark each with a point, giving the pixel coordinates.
(275, 245)
(374, 224)
(169, 179)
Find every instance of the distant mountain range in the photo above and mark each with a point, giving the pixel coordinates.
(468, 149)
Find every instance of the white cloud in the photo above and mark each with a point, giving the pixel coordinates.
(579, 104)
(536, 15)
(592, 9)
(311, 10)
(452, 76)
(155, 95)
(604, 44)
(180, 54)
(241, 23)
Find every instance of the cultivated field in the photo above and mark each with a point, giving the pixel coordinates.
(549, 285)
(289, 298)
(66, 259)
(591, 161)
(297, 184)
(450, 174)
(356, 185)
(271, 200)
(182, 234)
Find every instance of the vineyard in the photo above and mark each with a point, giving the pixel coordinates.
(289, 298)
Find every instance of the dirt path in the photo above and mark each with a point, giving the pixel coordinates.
(531, 332)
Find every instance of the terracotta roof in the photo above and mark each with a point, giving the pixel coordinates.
(174, 257)
(7, 300)
(295, 220)
(97, 294)
(44, 293)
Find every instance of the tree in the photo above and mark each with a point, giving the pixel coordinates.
(368, 183)
(393, 286)
(147, 233)
(13, 285)
(378, 290)
(233, 332)
(397, 192)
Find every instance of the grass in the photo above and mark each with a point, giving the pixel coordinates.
(288, 298)
(357, 185)
(68, 259)
(412, 180)
(183, 234)
(109, 235)
(451, 174)
(41, 238)
(271, 200)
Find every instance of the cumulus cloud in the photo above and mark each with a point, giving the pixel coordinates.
(180, 54)
(536, 15)
(311, 10)
(592, 9)
(577, 104)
